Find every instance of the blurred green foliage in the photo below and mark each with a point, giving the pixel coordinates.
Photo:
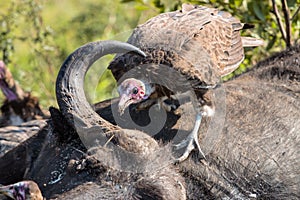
(37, 35)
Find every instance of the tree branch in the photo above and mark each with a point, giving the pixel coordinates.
(281, 28)
(295, 14)
(286, 14)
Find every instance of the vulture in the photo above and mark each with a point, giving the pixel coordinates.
(202, 44)
(23, 190)
(19, 106)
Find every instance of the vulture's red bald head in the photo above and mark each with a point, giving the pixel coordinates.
(132, 91)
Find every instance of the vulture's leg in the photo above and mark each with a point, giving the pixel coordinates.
(191, 142)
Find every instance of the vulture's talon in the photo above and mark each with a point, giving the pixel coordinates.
(159, 103)
(191, 142)
(166, 105)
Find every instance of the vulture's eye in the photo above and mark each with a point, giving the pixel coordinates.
(135, 90)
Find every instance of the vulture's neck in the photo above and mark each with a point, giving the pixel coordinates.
(149, 88)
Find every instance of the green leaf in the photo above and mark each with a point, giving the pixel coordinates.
(291, 3)
(141, 7)
(271, 43)
(238, 3)
(126, 1)
(258, 12)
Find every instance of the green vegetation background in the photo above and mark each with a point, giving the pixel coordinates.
(36, 36)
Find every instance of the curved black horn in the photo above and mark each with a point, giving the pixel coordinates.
(70, 89)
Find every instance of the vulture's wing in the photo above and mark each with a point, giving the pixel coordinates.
(206, 38)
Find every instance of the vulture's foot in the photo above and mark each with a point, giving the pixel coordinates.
(191, 142)
(160, 103)
(166, 105)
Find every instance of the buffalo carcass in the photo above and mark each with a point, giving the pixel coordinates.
(255, 154)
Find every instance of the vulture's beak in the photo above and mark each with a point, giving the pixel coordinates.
(124, 102)
(8, 191)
